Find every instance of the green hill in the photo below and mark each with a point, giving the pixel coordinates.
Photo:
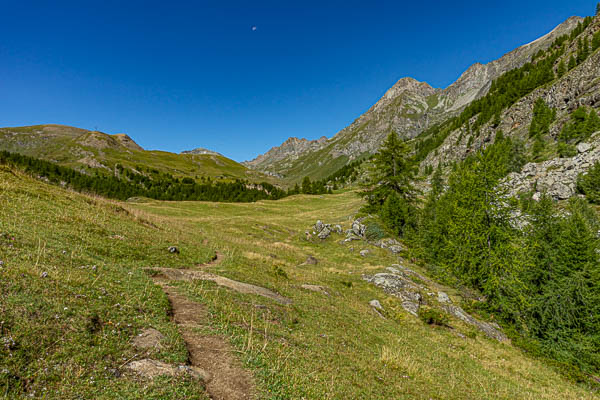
(97, 151)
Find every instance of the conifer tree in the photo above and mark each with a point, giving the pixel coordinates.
(562, 69)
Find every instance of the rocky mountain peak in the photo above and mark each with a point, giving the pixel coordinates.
(409, 107)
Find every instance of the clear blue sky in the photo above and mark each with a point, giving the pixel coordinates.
(178, 75)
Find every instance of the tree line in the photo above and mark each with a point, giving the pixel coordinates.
(134, 184)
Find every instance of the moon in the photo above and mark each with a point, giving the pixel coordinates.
(254, 28)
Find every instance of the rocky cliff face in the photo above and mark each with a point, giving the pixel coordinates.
(408, 108)
(578, 87)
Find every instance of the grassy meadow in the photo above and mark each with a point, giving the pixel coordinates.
(75, 292)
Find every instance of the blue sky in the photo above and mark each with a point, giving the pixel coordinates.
(177, 75)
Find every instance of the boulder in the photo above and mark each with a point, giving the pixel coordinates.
(319, 226)
(584, 147)
(148, 339)
(376, 305)
(443, 298)
(324, 233)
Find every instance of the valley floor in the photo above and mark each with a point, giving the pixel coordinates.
(81, 277)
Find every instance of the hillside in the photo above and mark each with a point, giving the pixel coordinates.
(408, 108)
(97, 151)
(77, 294)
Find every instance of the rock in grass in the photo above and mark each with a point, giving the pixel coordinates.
(364, 253)
(311, 260)
(173, 250)
(324, 234)
(376, 305)
(148, 339)
(443, 298)
(151, 369)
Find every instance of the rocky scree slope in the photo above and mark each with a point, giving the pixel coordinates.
(408, 108)
(579, 87)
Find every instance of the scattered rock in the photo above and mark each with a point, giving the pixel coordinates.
(240, 287)
(173, 250)
(390, 244)
(400, 287)
(44, 274)
(311, 261)
(351, 237)
(583, 147)
(486, 328)
(324, 233)
(364, 253)
(148, 339)
(151, 369)
(376, 305)
(316, 288)
(358, 228)
(319, 226)
(556, 177)
(443, 298)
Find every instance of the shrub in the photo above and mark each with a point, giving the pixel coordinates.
(431, 316)
(589, 184)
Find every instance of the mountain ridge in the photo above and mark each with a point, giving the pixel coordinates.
(408, 107)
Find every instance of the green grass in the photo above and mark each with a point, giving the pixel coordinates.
(74, 294)
(335, 347)
(321, 347)
(81, 149)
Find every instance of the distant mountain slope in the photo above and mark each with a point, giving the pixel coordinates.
(408, 108)
(92, 150)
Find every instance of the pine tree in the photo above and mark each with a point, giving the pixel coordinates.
(598, 9)
(572, 62)
(561, 69)
(393, 173)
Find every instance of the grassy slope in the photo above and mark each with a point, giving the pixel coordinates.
(71, 146)
(336, 347)
(321, 347)
(59, 351)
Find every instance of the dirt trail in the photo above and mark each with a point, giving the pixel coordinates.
(227, 380)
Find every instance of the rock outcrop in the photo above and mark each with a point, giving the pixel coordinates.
(557, 177)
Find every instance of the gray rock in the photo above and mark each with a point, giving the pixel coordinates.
(443, 298)
(376, 305)
(486, 328)
(364, 253)
(148, 339)
(319, 226)
(44, 274)
(584, 147)
(316, 288)
(399, 286)
(390, 244)
(173, 250)
(324, 234)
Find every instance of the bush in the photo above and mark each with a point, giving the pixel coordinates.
(589, 184)
(431, 316)
(374, 232)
